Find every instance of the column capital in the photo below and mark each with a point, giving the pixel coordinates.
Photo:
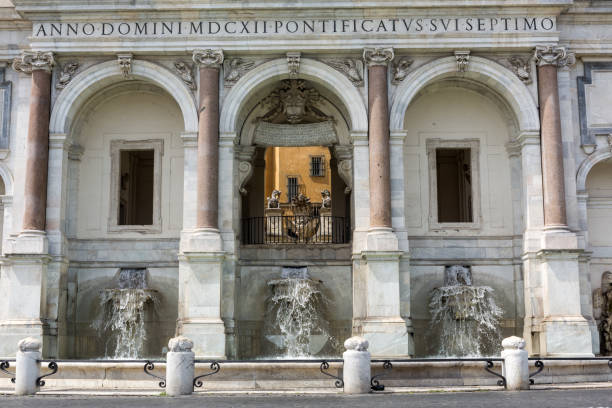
(208, 58)
(30, 61)
(378, 56)
(553, 55)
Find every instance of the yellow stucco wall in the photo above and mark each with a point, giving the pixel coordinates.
(283, 162)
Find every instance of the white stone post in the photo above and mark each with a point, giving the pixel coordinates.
(356, 371)
(516, 364)
(179, 367)
(28, 366)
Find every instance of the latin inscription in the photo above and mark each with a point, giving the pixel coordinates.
(416, 25)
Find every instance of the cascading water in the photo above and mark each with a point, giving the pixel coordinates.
(123, 314)
(466, 316)
(294, 319)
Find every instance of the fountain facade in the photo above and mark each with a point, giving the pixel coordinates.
(466, 316)
(122, 320)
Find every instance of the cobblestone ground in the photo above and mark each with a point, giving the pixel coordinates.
(540, 399)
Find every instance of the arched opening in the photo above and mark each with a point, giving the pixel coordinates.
(123, 221)
(295, 216)
(599, 218)
(461, 184)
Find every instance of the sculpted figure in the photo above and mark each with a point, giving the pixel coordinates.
(325, 199)
(605, 325)
(273, 200)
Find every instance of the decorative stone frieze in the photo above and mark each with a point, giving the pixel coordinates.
(208, 58)
(234, 69)
(125, 64)
(378, 56)
(293, 64)
(351, 68)
(463, 60)
(65, 75)
(554, 55)
(30, 61)
(521, 67)
(401, 69)
(185, 72)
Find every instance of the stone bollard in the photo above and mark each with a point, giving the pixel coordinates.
(28, 366)
(516, 363)
(357, 371)
(179, 367)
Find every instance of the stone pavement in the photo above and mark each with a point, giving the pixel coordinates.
(577, 398)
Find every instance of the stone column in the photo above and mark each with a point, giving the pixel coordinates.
(25, 269)
(201, 257)
(548, 59)
(562, 331)
(376, 289)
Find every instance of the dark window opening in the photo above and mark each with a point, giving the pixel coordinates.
(317, 166)
(292, 188)
(136, 187)
(454, 179)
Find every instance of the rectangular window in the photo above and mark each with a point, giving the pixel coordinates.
(136, 187)
(292, 187)
(135, 195)
(454, 192)
(454, 179)
(317, 166)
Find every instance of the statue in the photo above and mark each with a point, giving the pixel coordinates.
(605, 324)
(273, 201)
(325, 199)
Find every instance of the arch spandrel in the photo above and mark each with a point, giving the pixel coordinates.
(489, 73)
(273, 71)
(89, 82)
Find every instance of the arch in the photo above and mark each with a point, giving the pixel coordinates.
(482, 70)
(7, 179)
(587, 165)
(277, 69)
(97, 77)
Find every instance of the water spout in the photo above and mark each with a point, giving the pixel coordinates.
(122, 320)
(466, 316)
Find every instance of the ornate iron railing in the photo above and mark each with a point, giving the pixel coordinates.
(295, 229)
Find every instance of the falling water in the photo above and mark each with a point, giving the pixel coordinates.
(467, 316)
(295, 314)
(123, 314)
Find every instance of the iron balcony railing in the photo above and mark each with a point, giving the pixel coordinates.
(295, 229)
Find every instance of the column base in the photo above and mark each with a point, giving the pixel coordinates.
(28, 242)
(565, 337)
(388, 337)
(201, 240)
(208, 337)
(13, 331)
(381, 239)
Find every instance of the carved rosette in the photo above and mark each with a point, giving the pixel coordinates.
(125, 64)
(378, 56)
(30, 61)
(463, 60)
(208, 58)
(554, 55)
(293, 64)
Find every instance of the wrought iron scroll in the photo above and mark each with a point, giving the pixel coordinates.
(5, 364)
(339, 383)
(53, 366)
(488, 366)
(540, 366)
(374, 383)
(150, 366)
(214, 366)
